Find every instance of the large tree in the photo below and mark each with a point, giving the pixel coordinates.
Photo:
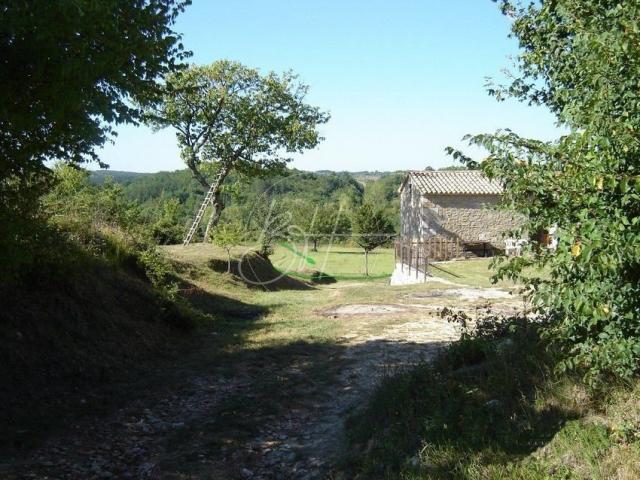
(70, 69)
(229, 117)
(580, 59)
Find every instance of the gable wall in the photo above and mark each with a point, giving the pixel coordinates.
(411, 219)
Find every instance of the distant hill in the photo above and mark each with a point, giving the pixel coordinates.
(99, 176)
(362, 176)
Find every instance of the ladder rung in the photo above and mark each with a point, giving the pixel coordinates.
(199, 215)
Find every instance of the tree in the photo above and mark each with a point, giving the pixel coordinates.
(371, 229)
(70, 70)
(271, 221)
(321, 221)
(229, 117)
(227, 236)
(167, 227)
(580, 59)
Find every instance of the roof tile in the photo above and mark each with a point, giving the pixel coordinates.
(454, 182)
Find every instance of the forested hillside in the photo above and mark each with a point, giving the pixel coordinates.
(172, 198)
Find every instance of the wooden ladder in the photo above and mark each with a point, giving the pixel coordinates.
(199, 215)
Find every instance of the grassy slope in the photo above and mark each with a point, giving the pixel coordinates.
(492, 408)
(488, 409)
(286, 311)
(69, 337)
(433, 422)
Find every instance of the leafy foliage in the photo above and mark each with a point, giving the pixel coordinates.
(168, 228)
(581, 59)
(104, 223)
(372, 229)
(383, 193)
(227, 236)
(271, 222)
(321, 222)
(229, 117)
(301, 191)
(72, 69)
(24, 234)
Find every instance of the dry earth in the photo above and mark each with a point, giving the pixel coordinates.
(179, 435)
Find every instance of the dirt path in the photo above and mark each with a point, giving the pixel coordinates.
(272, 415)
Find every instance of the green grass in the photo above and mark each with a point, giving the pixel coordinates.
(474, 271)
(491, 407)
(347, 263)
(335, 261)
(290, 315)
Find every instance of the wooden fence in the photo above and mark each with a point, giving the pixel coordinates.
(440, 248)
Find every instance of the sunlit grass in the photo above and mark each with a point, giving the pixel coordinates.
(332, 260)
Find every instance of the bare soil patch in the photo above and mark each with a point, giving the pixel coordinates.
(363, 309)
(464, 293)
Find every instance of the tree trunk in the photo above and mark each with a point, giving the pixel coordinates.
(315, 244)
(366, 263)
(216, 201)
(216, 211)
(229, 261)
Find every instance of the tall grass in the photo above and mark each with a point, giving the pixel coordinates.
(490, 407)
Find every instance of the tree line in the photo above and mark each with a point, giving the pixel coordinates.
(169, 200)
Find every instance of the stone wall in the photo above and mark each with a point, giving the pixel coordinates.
(411, 221)
(471, 218)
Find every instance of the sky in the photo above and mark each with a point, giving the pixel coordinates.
(401, 79)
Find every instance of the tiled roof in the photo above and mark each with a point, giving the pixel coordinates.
(453, 182)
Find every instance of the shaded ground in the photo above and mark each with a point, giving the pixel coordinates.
(260, 399)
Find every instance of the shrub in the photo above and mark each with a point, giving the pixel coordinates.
(581, 60)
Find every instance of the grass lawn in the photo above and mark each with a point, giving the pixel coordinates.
(475, 272)
(289, 315)
(347, 263)
(332, 260)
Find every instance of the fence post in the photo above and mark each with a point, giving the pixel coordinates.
(426, 262)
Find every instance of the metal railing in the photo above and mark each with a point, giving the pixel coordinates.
(415, 256)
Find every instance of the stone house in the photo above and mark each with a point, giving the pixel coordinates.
(455, 205)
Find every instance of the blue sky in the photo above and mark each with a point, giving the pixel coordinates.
(402, 79)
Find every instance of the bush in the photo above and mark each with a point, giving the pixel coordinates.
(102, 222)
(586, 185)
